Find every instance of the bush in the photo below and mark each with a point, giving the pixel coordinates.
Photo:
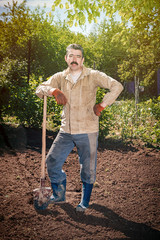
(11, 76)
(28, 108)
(25, 105)
(142, 123)
(105, 120)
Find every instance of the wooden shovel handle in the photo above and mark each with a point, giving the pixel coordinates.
(44, 138)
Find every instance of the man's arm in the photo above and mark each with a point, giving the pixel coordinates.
(51, 88)
(115, 88)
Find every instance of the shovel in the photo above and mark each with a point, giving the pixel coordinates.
(41, 195)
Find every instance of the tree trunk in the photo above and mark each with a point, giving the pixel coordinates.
(29, 60)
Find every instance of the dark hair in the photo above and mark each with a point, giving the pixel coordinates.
(76, 47)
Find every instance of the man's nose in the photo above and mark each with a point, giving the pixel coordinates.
(74, 57)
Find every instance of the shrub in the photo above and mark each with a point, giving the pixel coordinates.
(142, 122)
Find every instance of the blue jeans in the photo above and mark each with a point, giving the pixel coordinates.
(87, 150)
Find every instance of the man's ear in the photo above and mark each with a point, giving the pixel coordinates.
(65, 58)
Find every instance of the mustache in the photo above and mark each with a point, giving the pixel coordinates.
(74, 63)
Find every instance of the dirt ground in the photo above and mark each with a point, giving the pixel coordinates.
(125, 203)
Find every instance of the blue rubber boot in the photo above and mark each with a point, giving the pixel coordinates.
(59, 192)
(86, 194)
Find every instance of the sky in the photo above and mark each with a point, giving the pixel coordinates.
(59, 13)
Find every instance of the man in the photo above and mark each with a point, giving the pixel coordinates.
(75, 88)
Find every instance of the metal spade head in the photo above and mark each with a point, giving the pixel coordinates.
(41, 196)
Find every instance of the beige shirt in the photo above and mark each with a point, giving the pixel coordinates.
(78, 115)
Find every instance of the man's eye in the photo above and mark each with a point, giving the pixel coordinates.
(77, 56)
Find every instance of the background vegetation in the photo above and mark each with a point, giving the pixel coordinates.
(32, 48)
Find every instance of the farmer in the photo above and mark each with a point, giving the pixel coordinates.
(75, 88)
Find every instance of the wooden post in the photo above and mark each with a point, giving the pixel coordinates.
(94, 65)
(29, 60)
(136, 82)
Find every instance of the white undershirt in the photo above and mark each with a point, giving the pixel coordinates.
(75, 76)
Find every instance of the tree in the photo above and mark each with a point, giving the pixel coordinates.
(139, 35)
(142, 13)
(108, 49)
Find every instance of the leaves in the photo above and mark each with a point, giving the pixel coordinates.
(145, 125)
(66, 5)
(80, 10)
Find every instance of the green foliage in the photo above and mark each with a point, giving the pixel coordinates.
(108, 50)
(12, 72)
(15, 31)
(140, 59)
(140, 14)
(12, 76)
(53, 115)
(105, 123)
(143, 123)
(76, 11)
(27, 108)
(105, 120)
(24, 105)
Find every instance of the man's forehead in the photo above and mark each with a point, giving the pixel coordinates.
(75, 52)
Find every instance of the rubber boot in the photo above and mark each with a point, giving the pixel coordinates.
(86, 194)
(59, 192)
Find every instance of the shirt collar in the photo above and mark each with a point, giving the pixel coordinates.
(85, 72)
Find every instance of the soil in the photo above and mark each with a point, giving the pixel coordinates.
(125, 201)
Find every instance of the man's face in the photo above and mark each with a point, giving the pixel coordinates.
(74, 60)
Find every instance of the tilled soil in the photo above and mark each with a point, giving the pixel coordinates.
(125, 203)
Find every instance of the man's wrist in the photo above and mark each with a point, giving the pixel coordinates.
(100, 107)
(102, 104)
(51, 91)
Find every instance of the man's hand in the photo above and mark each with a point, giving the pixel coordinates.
(59, 96)
(98, 109)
